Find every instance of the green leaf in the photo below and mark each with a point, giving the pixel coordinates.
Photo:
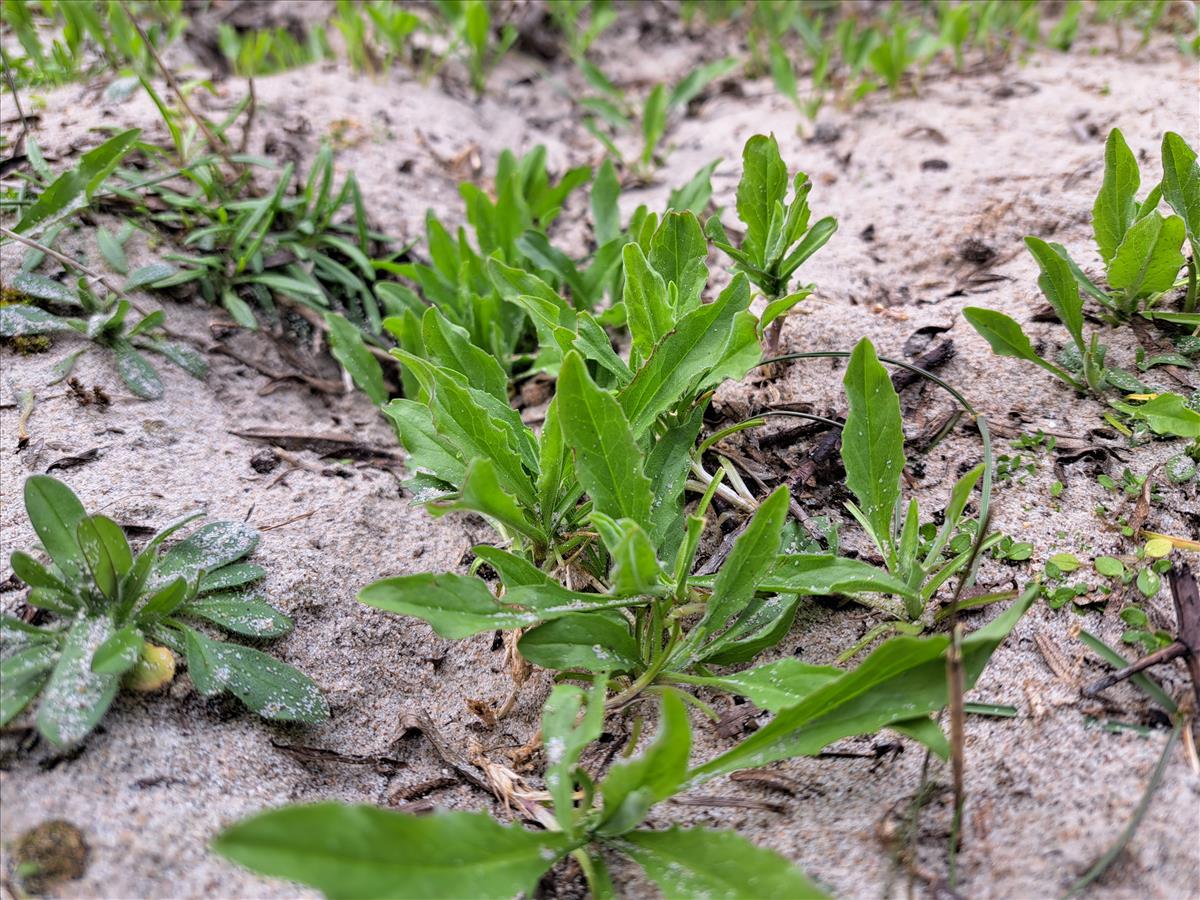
(207, 549)
(903, 678)
(137, 373)
(1060, 287)
(119, 653)
(1181, 183)
(608, 461)
(33, 285)
(63, 195)
(823, 574)
(1007, 338)
(22, 677)
(635, 567)
(348, 348)
(481, 492)
(752, 554)
(677, 252)
(148, 275)
(165, 600)
(450, 346)
(351, 852)
(698, 862)
(763, 624)
(75, 697)
(773, 686)
(667, 466)
(428, 451)
(598, 641)
(632, 787)
(565, 733)
(106, 552)
(1165, 414)
(873, 442)
(455, 605)
(1149, 258)
(645, 300)
(17, 320)
(33, 573)
(686, 357)
(240, 614)
(694, 195)
(231, 576)
(1116, 203)
(55, 513)
(654, 122)
(606, 214)
(269, 687)
(763, 184)
(112, 251)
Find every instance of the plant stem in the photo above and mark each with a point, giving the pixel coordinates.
(1189, 299)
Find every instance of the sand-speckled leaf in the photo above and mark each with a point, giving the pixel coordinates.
(17, 320)
(873, 440)
(188, 359)
(75, 697)
(455, 605)
(118, 654)
(231, 576)
(71, 189)
(42, 288)
(112, 251)
(241, 614)
(268, 686)
(22, 676)
(351, 852)
(698, 862)
(208, 548)
(148, 275)
(135, 370)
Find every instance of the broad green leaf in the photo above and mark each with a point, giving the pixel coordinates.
(348, 348)
(685, 357)
(481, 492)
(1060, 287)
(667, 466)
(240, 614)
(22, 677)
(763, 624)
(1116, 203)
(676, 247)
(873, 442)
(514, 571)
(593, 343)
(608, 461)
(17, 320)
(451, 347)
(749, 560)
(1181, 183)
(1165, 414)
(55, 513)
(118, 654)
(1149, 258)
(631, 787)
(479, 425)
(1004, 334)
(654, 122)
(64, 194)
(645, 299)
(698, 862)
(75, 697)
(903, 678)
(763, 184)
(208, 548)
(428, 451)
(269, 687)
(598, 641)
(772, 686)
(455, 605)
(165, 600)
(103, 542)
(33, 573)
(137, 373)
(352, 852)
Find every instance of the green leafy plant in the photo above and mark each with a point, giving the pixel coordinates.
(119, 615)
(349, 851)
(103, 321)
(778, 238)
(470, 23)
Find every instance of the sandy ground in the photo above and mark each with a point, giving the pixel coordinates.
(1048, 791)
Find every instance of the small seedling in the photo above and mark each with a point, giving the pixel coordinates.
(120, 617)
